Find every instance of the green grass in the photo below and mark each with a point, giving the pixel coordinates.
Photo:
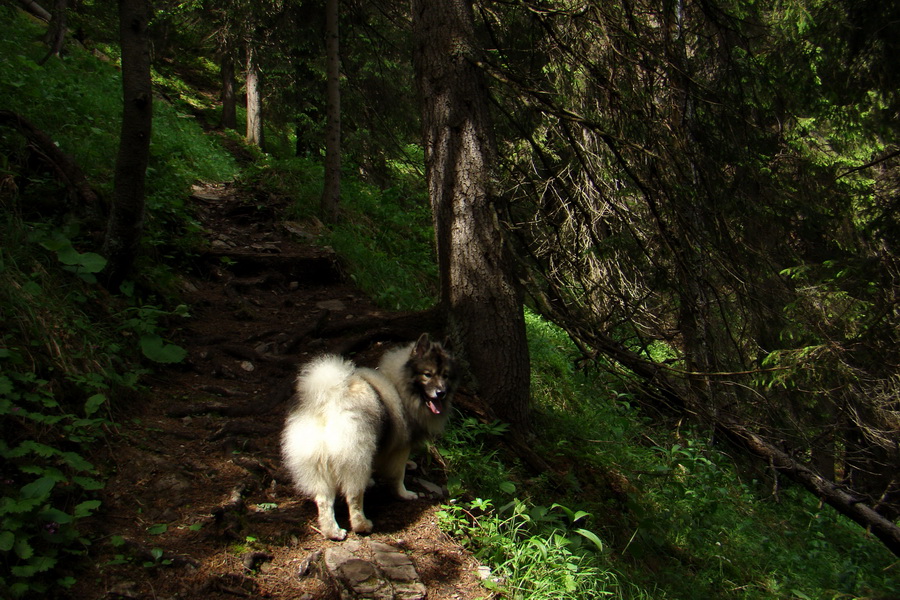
(384, 238)
(675, 517)
(535, 553)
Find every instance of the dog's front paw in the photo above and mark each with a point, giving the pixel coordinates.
(405, 494)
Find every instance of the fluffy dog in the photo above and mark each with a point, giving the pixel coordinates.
(351, 423)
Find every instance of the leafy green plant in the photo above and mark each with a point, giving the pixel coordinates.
(46, 486)
(158, 558)
(60, 363)
(469, 449)
(84, 264)
(144, 321)
(535, 552)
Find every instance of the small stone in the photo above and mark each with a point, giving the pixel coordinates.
(433, 489)
(247, 366)
(331, 305)
(306, 563)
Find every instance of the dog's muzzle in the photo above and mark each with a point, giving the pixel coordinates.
(434, 401)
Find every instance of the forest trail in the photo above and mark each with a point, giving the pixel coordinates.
(197, 506)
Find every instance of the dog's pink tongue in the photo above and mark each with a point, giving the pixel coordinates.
(435, 406)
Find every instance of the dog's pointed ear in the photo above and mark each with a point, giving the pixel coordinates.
(447, 344)
(423, 345)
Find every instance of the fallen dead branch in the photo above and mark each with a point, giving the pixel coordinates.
(829, 492)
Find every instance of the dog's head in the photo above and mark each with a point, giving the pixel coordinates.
(433, 373)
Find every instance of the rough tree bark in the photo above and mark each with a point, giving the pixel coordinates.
(254, 100)
(126, 220)
(479, 292)
(332, 193)
(36, 9)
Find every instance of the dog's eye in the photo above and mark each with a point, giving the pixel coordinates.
(427, 375)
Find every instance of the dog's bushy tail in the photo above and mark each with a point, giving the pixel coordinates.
(331, 435)
(324, 380)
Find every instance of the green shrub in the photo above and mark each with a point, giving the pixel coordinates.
(59, 365)
(535, 552)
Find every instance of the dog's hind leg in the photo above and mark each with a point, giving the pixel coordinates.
(358, 521)
(328, 526)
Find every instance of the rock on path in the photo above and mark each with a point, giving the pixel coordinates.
(370, 569)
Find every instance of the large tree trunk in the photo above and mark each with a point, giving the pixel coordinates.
(229, 103)
(479, 292)
(36, 9)
(126, 218)
(332, 193)
(254, 100)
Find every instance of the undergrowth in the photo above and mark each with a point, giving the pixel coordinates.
(71, 354)
(71, 357)
(667, 514)
(77, 99)
(59, 372)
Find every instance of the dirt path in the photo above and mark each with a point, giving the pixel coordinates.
(196, 506)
